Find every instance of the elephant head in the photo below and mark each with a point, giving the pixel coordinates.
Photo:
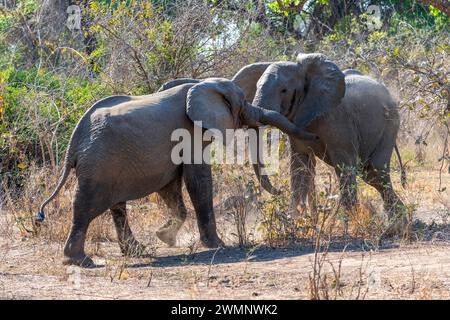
(301, 90)
(220, 104)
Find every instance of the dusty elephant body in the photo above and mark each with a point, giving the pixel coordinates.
(121, 150)
(355, 118)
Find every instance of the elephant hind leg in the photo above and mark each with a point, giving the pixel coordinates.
(129, 246)
(378, 176)
(87, 205)
(173, 198)
(380, 179)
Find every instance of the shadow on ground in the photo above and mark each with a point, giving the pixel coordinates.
(256, 254)
(420, 232)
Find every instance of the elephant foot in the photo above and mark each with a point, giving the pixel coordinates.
(213, 242)
(82, 261)
(167, 236)
(133, 249)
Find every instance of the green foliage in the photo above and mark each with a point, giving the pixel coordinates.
(414, 14)
(28, 6)
(6, 22)
(138, 45)
(276, 224)
(35, 105)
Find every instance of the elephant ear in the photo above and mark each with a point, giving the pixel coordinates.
(216, 102)
(248, 76)
(324, 87)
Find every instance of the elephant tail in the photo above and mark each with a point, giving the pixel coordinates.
(68, 165)
(402, 169)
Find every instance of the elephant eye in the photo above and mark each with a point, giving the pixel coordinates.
(283, 91)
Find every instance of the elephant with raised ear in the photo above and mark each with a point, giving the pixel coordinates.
(354, 117)
(122, 150)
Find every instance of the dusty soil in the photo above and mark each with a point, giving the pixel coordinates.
(30, 268)
(419, 271)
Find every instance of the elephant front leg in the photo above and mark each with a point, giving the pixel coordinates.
(198, 182)
(347, 185)
(302, 182)
(129, 246)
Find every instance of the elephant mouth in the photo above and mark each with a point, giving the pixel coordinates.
(291, 110)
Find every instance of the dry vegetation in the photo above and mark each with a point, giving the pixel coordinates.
(281, 259)
(270, 254)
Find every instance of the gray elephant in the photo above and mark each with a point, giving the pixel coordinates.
(246, 80)
(355, 118)
(121, 150)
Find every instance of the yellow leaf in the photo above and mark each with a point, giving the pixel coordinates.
(153, 198)
(123, 275)
(396, 52)
(22, 166)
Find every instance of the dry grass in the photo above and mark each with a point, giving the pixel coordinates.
(307, 260)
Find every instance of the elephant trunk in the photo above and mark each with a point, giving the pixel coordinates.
(258, 166)
(261, 97)
(254, 117)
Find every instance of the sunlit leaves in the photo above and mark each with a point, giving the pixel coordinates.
(434, 11)
(285, 7)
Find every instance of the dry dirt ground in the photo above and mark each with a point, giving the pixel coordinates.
(30, 268)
